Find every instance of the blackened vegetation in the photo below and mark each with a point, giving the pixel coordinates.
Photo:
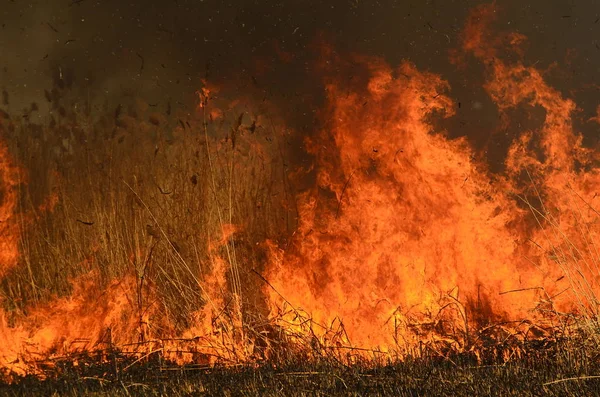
(563, 367)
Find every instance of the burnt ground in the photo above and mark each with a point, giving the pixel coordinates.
(559, 369)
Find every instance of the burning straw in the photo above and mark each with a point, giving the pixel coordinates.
(190, 241)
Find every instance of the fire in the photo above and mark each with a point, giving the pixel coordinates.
(9, 229)
(403, 221)
(406, 238)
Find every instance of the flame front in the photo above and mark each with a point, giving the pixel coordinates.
(403, 222)
(406, 237)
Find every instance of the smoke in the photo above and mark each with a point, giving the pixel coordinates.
(110, 51)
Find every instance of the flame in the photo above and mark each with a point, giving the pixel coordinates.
(406, 238)
(90, 318)
(9, 226)
(403, 220)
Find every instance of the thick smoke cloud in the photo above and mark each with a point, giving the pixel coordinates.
(159, 50)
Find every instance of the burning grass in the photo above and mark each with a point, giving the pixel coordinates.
(135, 240)
(560, 367)
(139, 241)
(146, 272)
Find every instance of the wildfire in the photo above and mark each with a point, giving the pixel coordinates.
(406, 238)
(9, 229)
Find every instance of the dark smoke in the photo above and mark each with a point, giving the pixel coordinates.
(159, 51)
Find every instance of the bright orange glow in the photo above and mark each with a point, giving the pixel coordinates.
(405, 239)
(9, 229)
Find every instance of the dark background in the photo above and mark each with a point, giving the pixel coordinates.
(160, 50)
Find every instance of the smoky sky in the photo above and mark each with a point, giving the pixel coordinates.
(159, 50)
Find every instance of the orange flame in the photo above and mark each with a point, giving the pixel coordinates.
(88, 319)
(9, 229)
(405, 238)
(406, 233)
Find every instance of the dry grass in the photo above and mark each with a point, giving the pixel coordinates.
(136, 192)
(555, 369)
(149, 195)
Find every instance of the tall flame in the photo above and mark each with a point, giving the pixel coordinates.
(406, 236)
(406, 233)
